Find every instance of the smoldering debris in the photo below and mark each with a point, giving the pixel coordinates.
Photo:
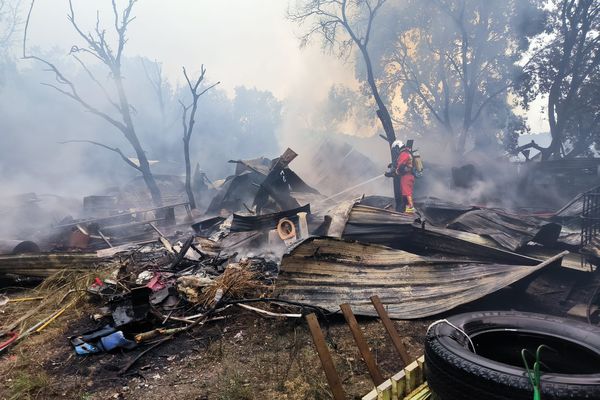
(158, 272)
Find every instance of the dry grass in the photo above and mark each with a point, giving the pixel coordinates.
(24, 366)
(64, 290)
(233, 387)
(28, 386)
(236, 282)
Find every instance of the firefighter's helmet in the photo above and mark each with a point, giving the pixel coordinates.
(398, 143)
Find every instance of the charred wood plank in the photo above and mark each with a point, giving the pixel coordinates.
(326, 361)
(362, 344)
(391, 329)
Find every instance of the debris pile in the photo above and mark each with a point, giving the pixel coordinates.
(155, 274)
(159, 290)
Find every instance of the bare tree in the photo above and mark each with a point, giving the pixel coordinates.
(188, 121)
(157, 82)
(110, 55)
(343, 24)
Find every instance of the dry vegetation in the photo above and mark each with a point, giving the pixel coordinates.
(242, 357)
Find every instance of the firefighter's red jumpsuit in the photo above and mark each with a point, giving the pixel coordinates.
(404, 168)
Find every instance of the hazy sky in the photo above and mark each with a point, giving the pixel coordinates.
(241, 42)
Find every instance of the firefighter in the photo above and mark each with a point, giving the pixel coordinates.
(405, 170)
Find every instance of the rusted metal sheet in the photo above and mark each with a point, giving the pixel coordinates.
(339, 218)
(440, 212)
(326, 272)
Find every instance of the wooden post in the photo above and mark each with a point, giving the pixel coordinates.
(363, 347)
(332, 377)
(391, 330)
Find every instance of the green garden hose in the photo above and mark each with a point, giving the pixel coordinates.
(534, 376)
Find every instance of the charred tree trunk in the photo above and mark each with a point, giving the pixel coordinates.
(131, 135)
(110, 55)
(384, 116)
(188, 128)
(188, 173)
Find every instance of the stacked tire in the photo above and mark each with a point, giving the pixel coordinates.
(493, 370)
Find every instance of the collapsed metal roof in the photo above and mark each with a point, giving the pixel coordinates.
(509, 231)
(327, 272)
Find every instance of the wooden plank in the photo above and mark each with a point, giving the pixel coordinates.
(363, 347)
(399, 388)
(420, 393)
(398, 385)
(372, 395)
(391, 329)
(421, 362)
(384, 391)
(412, 374)
(332, 377)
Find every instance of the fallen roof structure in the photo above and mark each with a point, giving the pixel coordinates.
(243, 223)
(509, 231)
(376, 225)
(326, 272)
(257, 182)
(373, 225)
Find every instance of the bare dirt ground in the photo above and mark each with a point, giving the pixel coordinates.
(242, 357)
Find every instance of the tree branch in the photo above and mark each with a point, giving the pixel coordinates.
(115, 149)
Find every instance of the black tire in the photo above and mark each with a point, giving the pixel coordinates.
(454, 372)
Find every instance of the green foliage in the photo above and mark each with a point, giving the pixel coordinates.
(452, 63)
(565, 69)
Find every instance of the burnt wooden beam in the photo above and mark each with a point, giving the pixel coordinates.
(362, 344)
(391, 329)
(326, 361)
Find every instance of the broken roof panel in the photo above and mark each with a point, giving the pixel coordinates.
(327, 272)
(376, 225)
(258, 181)
(440, 212)
(235, 192)
(509, 231)
(243, 223)
(464, 244)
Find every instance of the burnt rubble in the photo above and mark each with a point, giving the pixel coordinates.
(162, 271)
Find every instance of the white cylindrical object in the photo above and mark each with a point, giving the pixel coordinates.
(303, 225)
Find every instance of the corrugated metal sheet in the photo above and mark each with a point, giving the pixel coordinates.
(508, 231)
(376, 225)
(326, 272)
(397, 230)
(464, 244)
(245, 223)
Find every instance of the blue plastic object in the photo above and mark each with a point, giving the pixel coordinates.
(116, 340)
